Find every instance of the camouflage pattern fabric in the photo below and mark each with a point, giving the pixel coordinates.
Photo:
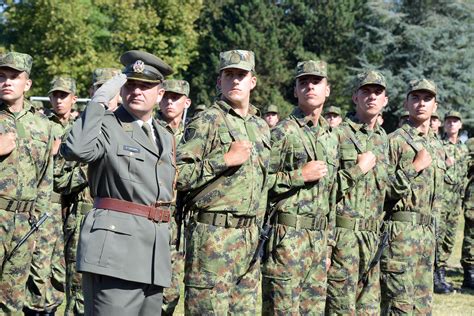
(178, 132)
(407, 263)
(217, 257)
(455, 182)
(467, 257)
(358, 198)
(294, 272)
(17, 61)
(101, 75)
(62, 83)
(176, 86)
(25, 174)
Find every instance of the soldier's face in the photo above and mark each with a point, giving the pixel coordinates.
(173, 104)
(140, 97)
(333, 119)
(311, 92)
(62, 102)
(271, 118)
(435, 123)
(420, 105)
(370, 100)
(452, 125)
(13, 84)
(236, 84)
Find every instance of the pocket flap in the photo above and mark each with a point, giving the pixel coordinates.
(112, 223)
(393, 266)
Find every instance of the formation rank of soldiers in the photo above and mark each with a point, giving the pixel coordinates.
(112, 211)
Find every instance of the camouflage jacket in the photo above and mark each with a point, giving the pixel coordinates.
(200, 160)
(359, 195)
(27, 172)
(178, 132)
(456, 175)
(288, 156)
(69, 176)
(412, 191)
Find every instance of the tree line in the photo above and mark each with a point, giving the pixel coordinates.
(405, 39)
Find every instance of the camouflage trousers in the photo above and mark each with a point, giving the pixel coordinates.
(172, 294)
(350, 259)
(448, 225)
(294, 272)
(45, 285)
(14, 272)
(74, 296)
(406, 270)
(467, 257)
(216, 276)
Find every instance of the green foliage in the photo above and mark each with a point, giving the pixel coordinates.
(74, 37)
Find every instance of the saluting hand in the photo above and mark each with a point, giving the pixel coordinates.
(422, 160)
(238, 154)
(314, 170)
(109, 90)
(7, 143)
(366, 161)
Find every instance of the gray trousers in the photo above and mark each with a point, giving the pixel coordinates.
(104, 296)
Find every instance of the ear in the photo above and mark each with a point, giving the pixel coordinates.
(253, 82)
(28, 84)
(328, 90)
(218, 83)
(354, 98)
(435, 107)
(187, 104)
(74, 99)
(161, 93)
(385, 101)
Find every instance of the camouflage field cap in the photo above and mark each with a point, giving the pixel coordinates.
(66, 84)
(333, 109)
(240, 59)
(370, 77)
(272, 108)
(199, 108)
(421, 84)
(176, 86)
(38, 105)
(143, 66)
(101, 75)
(312, 68)
(435, 115)
(453, 113)
(405, 114)
(17, 61)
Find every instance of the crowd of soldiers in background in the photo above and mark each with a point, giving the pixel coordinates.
(325, 252)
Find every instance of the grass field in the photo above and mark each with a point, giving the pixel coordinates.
(460, 303)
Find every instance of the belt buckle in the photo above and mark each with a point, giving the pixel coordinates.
(165, 216)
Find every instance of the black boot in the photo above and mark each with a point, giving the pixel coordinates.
(30, 312)
(468, 282)
(439, 286)
(442, 278)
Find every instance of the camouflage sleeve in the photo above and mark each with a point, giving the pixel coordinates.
(199, 157)
(399, 177)
(283, 173)
(45, 183)
(347, 178)
(88, 139)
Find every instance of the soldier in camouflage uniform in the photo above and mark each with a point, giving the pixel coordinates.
(362, 184)
(303, 170)
(333, 116)
(271, 115)
(435, 124)
(414, 201)
(455, 184)
(45, 287)
(26, 176)
(223, 162)
(172, 107)
(467, 257)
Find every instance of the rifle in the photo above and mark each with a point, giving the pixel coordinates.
(262, 239)
(34, 228)
(375, 260)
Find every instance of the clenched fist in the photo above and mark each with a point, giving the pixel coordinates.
(422, 160)
(314, 170)
(238, 154)
(7, 143)
(366, 161)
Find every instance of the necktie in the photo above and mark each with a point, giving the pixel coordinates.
(147, 129)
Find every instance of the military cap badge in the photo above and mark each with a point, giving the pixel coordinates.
(139, 66)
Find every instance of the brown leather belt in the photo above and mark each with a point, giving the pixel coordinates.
(154, 213)
(16, 205)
